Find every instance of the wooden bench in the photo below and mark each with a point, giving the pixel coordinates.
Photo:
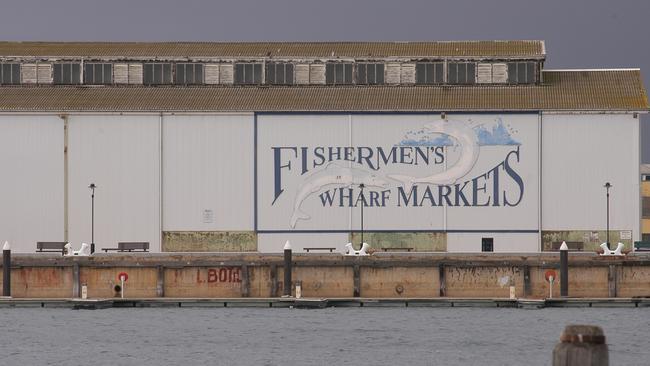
(51, 246)
(330, 249)
(642, 246)
(397, 249)
(574, 246)
(130, 246)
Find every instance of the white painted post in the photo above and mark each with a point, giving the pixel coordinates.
(122, 281)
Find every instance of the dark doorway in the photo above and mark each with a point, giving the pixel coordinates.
(487, 244)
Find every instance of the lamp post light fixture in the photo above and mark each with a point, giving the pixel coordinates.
(92, 187)
(362, 186)
(607, 187)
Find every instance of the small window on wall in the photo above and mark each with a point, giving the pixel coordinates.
(157, 73)
(338, 73)
(521, 72)
(370, 73)
(279, 73)
(461, 73)
(645, 237)
(188, 73)
(429, 73)
(67, 73)
(98, 73)
(487, 244)
(9, 74)
(248, 73)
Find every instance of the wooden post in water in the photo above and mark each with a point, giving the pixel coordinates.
(564, 270)
(6, 269)
(287, 270)
(581, 345)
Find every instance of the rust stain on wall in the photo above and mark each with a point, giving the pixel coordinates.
(420, 242)
(209, 241)
(590, 238)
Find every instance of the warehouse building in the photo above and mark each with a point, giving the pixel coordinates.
(421, 146)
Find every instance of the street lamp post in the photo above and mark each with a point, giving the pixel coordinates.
(607, 187)
(92, 187)
(362, 186)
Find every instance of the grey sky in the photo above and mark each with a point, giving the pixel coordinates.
(578, 33)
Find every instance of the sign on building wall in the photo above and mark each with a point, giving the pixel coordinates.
(408, 171)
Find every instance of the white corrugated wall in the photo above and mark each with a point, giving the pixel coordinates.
(31, 180)
(580, 153)
(208, 165)
(121, 155)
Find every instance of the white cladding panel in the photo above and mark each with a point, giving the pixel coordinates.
(483, 73)
(421, 172)
(274, 243)
(580, 154)
(503, 242)
(211, 73)
(393, 70)
(121, 73)
(121, 155)
(31, 164)
(135, 73)
(407, 74)
(226, 73)
(302, 73)
(317, 74)
(208, 165)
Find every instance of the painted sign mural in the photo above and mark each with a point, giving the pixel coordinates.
(410, 172)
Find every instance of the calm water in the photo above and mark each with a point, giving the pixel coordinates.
(341, 336)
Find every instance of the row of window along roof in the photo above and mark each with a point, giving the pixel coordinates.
(272, 73)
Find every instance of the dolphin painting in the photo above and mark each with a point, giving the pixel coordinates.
(466, 138)
(332, 175)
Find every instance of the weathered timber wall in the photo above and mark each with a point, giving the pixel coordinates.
(382, 275)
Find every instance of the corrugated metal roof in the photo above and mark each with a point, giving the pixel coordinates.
(616, 90)
(506, 49)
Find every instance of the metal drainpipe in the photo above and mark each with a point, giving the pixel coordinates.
(64, 117)
(539, 182)
(160, 181)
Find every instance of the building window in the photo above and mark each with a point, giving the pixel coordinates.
(9, 74)
(487, 244)
(521, 72)
(187, 74)
(67, 73)
(157, 73)
(338, 73)
(429, 73)
(461, 73)
(97, 74)
(645, 237)
(370, 73)
(279, 73)
(248, 73)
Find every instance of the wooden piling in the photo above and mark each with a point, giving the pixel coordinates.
(6, 270)
(564, 270)
(287, 270)
(581, 345)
